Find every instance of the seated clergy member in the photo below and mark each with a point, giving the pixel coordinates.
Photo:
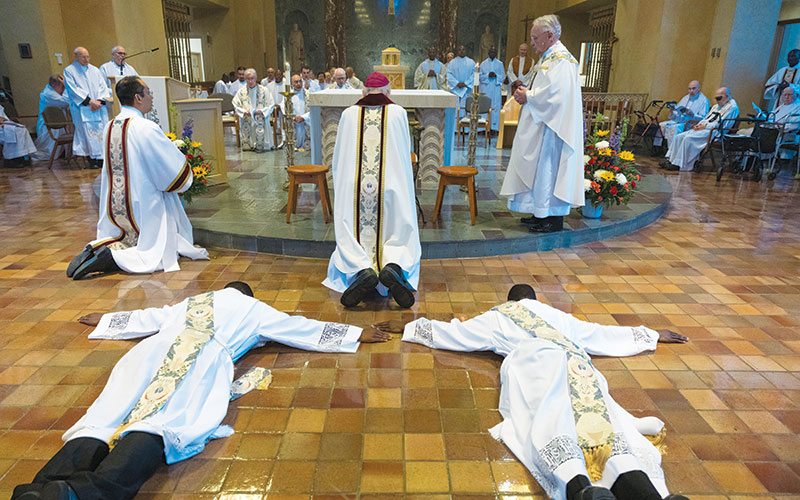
(52, 95)
(142, 226)
(253, 103)
(117, 66)
(431, 73)
(168, 395)
(340, 80)
(302, 115)
(375, 218)
(692, 106)
(16, 141)
(687, 146)
(87, 92)
(558, 416)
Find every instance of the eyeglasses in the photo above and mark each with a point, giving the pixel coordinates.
(719, 97)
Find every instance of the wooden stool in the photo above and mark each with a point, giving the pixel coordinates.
(308, 174)
(459, 176)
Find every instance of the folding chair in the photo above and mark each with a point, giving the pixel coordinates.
(56, 119)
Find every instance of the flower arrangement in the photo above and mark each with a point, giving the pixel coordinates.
(201, 168)
(610, 175)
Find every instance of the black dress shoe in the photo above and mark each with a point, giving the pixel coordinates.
(101, 262)
(58, 490)
(30, 491)
(595, 493)
(79, 259)
(664, 164)
(532, 220)
(366, 280)
(672, 168)
(394, 279)
(548, 225)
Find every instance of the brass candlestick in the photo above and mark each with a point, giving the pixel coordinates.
(473, 127)
(288, 126)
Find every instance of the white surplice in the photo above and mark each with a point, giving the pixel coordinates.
(195, 410)
(545, 172)
(538, 423)
(517, 67)
(220, 87)
(82, 82)
(113, 69)
(256, 130)
(696, 106)
(461, 70)
(15, 138)
(235, 85)
(44, 144)
(687, 146)
(422, 81)
(142, 219)
(492, 86)
(378, 227)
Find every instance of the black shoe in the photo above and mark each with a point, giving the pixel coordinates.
(532, 220)
(595, 493)
(366, 280)
(58, 490)
(30, 491)
(664, 164)
(101, 262)
(548, 225)
(79, 259)
(392, 278)
(95, 164)
(14, 163)
(672, 168)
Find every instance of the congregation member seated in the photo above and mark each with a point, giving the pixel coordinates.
(687, 146)
(374, 212)
(253, 104)
(16, 142)
(692, 106)
(52, 95)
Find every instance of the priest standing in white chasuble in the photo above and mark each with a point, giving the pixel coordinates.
(253, 104)
(374, 213)
(167, 396)
(558, 416)
(545, 172)
(431, 74)
(88, 95)
(142, 227)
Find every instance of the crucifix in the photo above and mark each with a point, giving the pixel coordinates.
(528, 19)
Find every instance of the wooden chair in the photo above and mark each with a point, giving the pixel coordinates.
(509, 118)
(308, 174)
(484, 108)
(56, 119)
(457, 176)
(229, 120)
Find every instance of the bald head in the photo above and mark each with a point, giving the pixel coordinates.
(81, 55)
(339, 76)
(722, 95)
(523, 50)
(694, 88)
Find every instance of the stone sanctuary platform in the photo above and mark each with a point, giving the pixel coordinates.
(249, 213)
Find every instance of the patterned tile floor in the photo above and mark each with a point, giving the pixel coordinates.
(722, 266)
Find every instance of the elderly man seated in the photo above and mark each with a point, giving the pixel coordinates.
(693, 106)
(253, 104)
(687, 146)
(16, 141)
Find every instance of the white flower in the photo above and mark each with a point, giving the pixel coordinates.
(598, 174)
(601, 145)
(586, 159)
(621, 179)
(587, 185)
(179, 143)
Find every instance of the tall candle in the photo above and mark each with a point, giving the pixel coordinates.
(287, 76)
(477, 79)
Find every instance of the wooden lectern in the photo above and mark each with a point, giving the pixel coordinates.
(206, 118)
(165, 91)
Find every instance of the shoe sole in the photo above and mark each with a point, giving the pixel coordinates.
(402, 295)
(75, 263)
(352, 297)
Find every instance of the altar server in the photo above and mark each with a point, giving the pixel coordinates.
(15, 139)
(253, 104)
(237, 81)
(558, 416)
(340, 80)
(545, 172)
(492, 76)
(692, 106)
(374, 212)
(88, 95)
(302, 114)
(686, 147)
(431, 74)
(461, 75)
(52, 95)
(521, 67)
(167, 396)
(117, 66)
(782, 78)
(142, 227)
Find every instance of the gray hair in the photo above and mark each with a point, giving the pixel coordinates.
(337, 70)
(250, 71)
(115, 48)
(549, 23)
(386, 89)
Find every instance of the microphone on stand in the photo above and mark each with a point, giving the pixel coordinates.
(140, 52)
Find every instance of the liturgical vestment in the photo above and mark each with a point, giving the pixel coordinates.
(44, 144)
(491, 86)
(423, 81)
(15, 138)
(84, 82)
(256, 131)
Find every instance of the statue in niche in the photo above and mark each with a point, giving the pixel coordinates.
(296, 58)
(487, 42)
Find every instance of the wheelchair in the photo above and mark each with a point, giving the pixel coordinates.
(742, 153)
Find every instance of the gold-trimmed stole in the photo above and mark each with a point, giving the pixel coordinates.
(368, 196)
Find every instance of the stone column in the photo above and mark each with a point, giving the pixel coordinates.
(448, 17)
(334, 34)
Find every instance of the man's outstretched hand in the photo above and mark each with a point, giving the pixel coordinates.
(371, 335)
(389, 326)
(91, 319)
(670, 337)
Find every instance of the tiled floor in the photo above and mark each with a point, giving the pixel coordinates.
(722, 266)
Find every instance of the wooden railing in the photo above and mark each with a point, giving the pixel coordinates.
(614, 106)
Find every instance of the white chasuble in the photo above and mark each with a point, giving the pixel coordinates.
(84, 82)
(375, 217)
(548, 398)
(193, 413)
(141, 218)
(423, 81)
(545, 172)
(256, 131)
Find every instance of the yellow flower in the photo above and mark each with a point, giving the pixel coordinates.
(607, 175)
(602, 133)
(606, 152)
(170, 136)
(196, 144)
(626, 156)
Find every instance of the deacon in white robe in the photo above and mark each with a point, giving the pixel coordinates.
(302, 113)
(492, 76)
(340, 80)
(352, 79)
(142, 226)
(521, 67)
(558, 416)
(269, 78)
(88, 95)
(785, 76)
(117, 66)
(545, 172)
(461, 76)
(309, 83)
(686, 147)
(253, 104)
(15, 139)
(52, 95)
(431, 74)
(187, 361)
(374, 212)
(221, 87)
(692, 106)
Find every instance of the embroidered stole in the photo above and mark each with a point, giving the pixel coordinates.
(368, 197)
(592, 423)
(789, 75)
(525, 68)
(551, 57)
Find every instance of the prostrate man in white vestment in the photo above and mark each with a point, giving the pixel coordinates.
(167, 396)
(309, 83)
(238, 82)
(782, 78)
(374, 213)
(117, 66)
(492, 76)
(461, 76)
(221, 87)
(269, 78)
(340, 80)
(52, 95)
(88, 94)
(692, 106)
(431, 74)
(142, 227)
(545, 172)
(253, 104)
(687, 146)
(558, 416)
(352, 79)
(520, 67)
(302, 113)
(16, 141)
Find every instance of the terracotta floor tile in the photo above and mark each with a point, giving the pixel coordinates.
(422, 421)
(340, 446)
(427, 477)
(514, 478)
(306, 420)
(652, 380)
(248, 475)
(292, 477)
(348, 398)
(259, 446)
(734, 477)
(344, 420)
(383, 447)
(382, 477)
(703, 399)
(203, 476)
(471, 477)
(384, 420)
(762, 422)
(337, 477)
(299, 446)
(424, 447)
(384, 398)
